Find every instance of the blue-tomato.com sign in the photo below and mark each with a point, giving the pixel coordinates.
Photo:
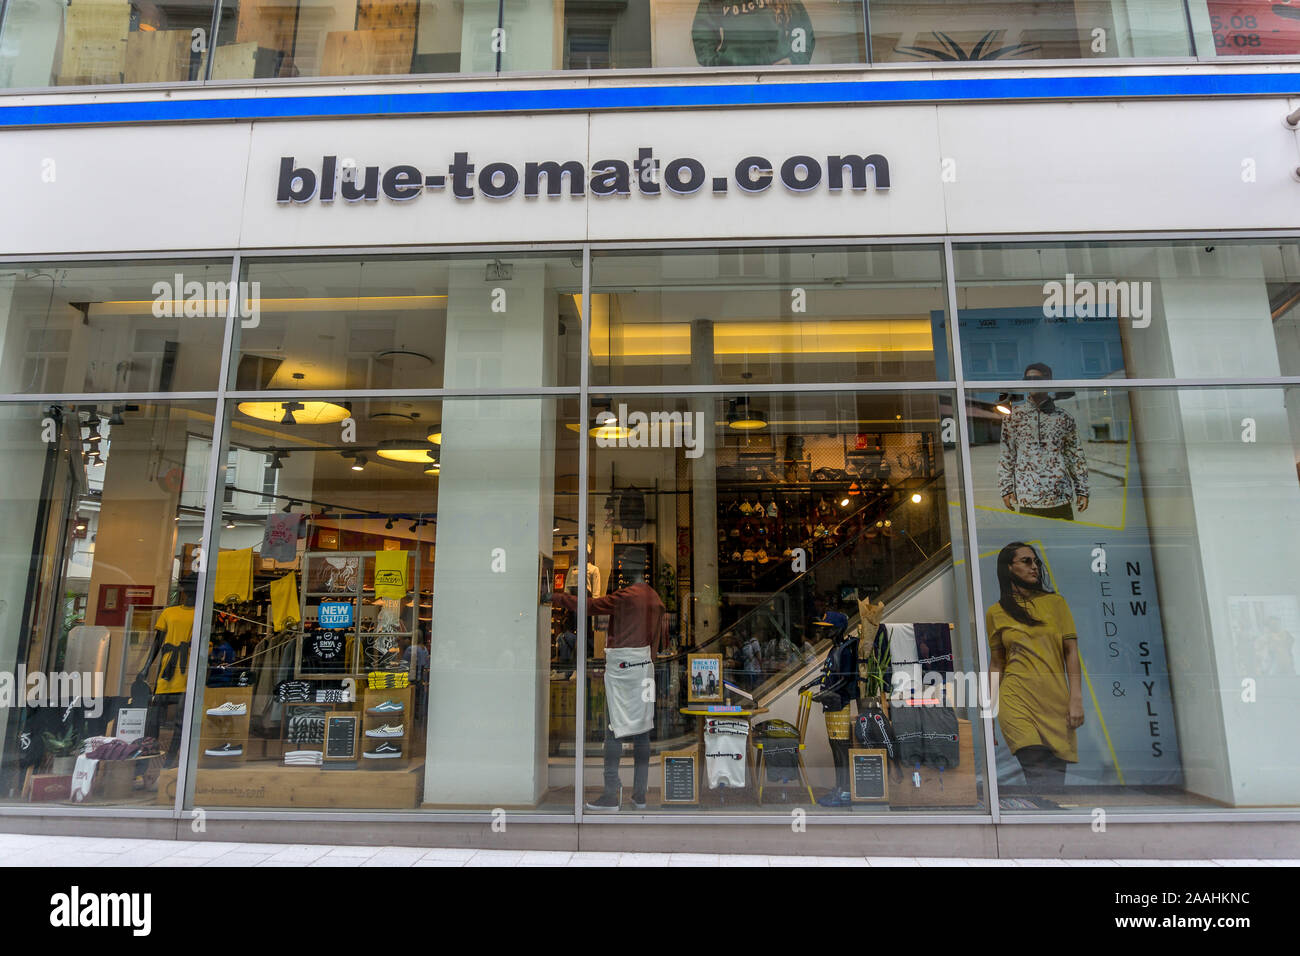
(334, 614)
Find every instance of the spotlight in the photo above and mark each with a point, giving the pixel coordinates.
(81, 524)
(277, 459)
(415, 525)
(1004, 403)
(844, 502)
(230, 523)
(288, 506)
(359, 463)
(916, 497)
(289, 409)
(389, 525)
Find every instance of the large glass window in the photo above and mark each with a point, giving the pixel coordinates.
(1102, 310)
(103, 509)
(382, 629)
(509, 320)
(775, 613)
(768, 316)
(112, 326)
(1006, 30)
(354, 38)
(1246, 27)
(1138, 551)
(93, 42)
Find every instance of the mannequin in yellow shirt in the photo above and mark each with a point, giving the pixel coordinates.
(171, 647)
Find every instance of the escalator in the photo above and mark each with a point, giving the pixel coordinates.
(893, 557)
(882, 553)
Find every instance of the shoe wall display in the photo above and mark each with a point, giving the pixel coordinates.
(386, 719)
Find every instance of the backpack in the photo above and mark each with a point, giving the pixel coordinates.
(631, 510)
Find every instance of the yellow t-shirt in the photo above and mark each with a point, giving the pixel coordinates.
(177, 625)
(1034, 696)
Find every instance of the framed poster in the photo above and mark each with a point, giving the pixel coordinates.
(868, 776)
(328, 539)
(704, 678)
(681, 773)
(341, 735)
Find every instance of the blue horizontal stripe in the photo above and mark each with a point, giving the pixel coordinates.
(811, 93)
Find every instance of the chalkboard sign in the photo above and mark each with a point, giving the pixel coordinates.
(870, 778)
(341, 735)
(680, 776)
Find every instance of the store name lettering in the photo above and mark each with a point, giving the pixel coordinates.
(607, 178)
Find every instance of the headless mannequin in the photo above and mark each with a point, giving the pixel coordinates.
(636, 621)
(174, 664)
(837, 685)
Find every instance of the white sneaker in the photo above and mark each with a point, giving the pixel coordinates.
(387, 730)
(228, 709)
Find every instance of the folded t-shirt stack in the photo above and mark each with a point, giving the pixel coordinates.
(304, 758)
(387, 680)
(294, 691)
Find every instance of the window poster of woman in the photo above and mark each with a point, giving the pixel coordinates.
(1034, 658)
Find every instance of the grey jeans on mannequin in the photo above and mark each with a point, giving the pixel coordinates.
(640, 758)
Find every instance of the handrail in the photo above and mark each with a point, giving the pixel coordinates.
(806, 575)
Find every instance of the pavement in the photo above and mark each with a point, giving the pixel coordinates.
(29, 850)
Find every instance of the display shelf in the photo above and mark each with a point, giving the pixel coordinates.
(217, 730)
(372, 697)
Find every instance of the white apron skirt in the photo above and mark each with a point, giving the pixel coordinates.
(630, 690)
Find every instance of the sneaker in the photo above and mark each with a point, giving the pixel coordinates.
(836, 798)
(606, 802)
(382, 751)
(228, 709)
(387, 707)
(387, 730)
(638, 802)
(225, 750)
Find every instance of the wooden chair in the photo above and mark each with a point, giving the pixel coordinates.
(801, 724)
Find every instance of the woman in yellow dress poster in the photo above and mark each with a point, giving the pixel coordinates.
(1034, 660)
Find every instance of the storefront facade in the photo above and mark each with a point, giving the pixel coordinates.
(298, 370)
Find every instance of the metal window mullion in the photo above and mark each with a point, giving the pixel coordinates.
(212, 46)
(866, 31)
(972, 545)
(580, 645)
(207, 572)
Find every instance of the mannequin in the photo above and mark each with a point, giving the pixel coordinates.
(838, 687)
(638, 628)
(171, 647)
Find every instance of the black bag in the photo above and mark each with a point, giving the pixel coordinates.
(780, 740)
(631, 510)
(939, 733)
(874, 731)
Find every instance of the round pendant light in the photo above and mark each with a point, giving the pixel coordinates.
(743, 418)
(296, 413)
(400, 450)
(606, 425)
